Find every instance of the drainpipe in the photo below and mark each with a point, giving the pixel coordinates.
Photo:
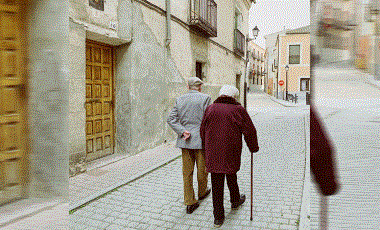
(168, 27)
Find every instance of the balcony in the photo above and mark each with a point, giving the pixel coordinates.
(239, 42)
(203, 17)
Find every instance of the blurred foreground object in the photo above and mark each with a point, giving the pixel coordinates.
(322, 161)
(33, 108)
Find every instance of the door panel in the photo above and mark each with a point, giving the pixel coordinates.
(99, 100)
(13, 166)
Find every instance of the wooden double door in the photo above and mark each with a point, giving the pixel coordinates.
(13, 135)
(99, 100)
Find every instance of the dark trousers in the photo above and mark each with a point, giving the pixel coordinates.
(217, 183)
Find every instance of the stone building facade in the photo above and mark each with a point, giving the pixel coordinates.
(272, 58)
(257, 61)
(130, 60)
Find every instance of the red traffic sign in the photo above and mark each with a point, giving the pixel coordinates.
(281, 82)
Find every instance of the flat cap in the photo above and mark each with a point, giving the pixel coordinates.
(193, 81)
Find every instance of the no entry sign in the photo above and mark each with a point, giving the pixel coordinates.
(281, 82)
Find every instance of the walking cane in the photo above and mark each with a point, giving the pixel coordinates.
(323, 213)
(251, 183)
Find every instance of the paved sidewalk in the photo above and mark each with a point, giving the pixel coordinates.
(155, 200)
(98, 181)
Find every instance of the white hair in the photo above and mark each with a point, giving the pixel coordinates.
(229, 90)
(195, 87)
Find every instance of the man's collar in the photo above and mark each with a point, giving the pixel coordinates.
(193, 91)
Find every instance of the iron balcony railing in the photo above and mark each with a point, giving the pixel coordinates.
(203, 17)
(239, 42)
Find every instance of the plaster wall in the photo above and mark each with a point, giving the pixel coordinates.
(77, 112)
(147, 83)
(81, 10)
(186, 48)
(48, 103)
(225, 17)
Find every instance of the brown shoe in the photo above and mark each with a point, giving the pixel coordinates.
(206, 194)
(190, 208)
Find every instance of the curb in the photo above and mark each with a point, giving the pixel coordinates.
(286, 104)
(78, 204)
(305, 200)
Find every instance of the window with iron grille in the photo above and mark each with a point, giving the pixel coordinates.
(203, 17)
(294, 54)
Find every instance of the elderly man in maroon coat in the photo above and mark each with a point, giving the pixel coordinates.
(222, 127)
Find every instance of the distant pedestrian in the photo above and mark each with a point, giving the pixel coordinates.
(185, 119)
(222, 127)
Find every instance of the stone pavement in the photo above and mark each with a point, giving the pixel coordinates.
(350, 105)
(95, 182)
(155, 200)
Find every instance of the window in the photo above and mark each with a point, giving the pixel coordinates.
(238, 20)
(305, 84)
(294, 54)
(198, 70)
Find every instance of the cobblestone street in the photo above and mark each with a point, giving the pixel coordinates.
(155, 201)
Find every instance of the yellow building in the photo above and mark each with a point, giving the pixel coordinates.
(294, 63)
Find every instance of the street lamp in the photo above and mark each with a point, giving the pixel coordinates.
(286, 69)
(255, 33)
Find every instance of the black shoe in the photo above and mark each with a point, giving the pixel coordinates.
(207, 193)
(190, 208)
(218, 223)
(235, 206)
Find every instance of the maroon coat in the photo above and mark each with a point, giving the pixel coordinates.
(222, 127)
(321, 157)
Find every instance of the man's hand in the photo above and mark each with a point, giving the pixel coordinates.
(186, 135)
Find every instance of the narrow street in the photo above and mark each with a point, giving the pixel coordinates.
(349, 106)
(155, 201)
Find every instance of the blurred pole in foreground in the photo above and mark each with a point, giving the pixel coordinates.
(324, 214)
